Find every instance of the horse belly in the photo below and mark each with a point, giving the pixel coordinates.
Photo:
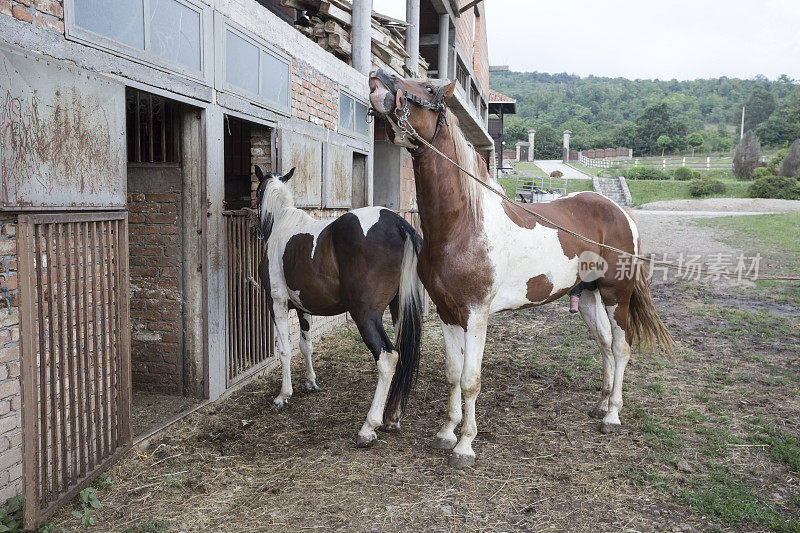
(531, 267)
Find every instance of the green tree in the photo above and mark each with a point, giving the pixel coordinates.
(759, 106)
(664, 142)
(548, 142)
(790, 166)
(695, 140)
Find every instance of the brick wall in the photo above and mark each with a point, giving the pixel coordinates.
(465, 32)
(154, 202)
(10, 398)
(315, 97)
(43, 13)
(408, 189)
(260, 154)
(480, 50)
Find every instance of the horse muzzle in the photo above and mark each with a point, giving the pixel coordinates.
(383, 98)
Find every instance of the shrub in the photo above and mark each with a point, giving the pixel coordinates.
(775, 162)
(556, 174)
(762, 172)
(719, 174)
(790, 166)
(705, 186)
(683, 174)
(646, 173)
(745, 159)
(775, 187)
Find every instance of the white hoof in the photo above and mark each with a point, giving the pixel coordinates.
(280, 403)
(606, 428)
(366, 441)
(311, 386)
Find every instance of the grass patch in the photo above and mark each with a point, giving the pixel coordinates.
(780, 446)
(579, 186)
(583, 168)
(717, 441)
(723, 497)
(660, 436)
(743, 323)
(645, 191)
(531, 168)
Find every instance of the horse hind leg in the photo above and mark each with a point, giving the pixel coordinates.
(618, 318)
(386, 357)
(307, 348)
(594, 314)
(454, 337)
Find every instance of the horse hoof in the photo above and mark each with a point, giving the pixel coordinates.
(391, 426)
(460, 461)
(366, 441)
(606, 428)
(597, 413)
(439, 443)
(280, 404)
(311, 386)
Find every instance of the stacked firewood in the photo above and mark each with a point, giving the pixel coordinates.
(329, 23)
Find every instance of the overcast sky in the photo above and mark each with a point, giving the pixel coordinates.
(683, 39)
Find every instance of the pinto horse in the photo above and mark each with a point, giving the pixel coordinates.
(483, 254)
(359, 263)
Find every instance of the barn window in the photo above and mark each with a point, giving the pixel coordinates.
(152, 128)
(250, 68)
(168, 33)
(352, 115)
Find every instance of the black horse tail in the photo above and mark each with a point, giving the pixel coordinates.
(409, 328)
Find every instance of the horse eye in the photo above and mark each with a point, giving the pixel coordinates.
(429, 89)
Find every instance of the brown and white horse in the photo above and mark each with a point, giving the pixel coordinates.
(359, 263)
(484, 254)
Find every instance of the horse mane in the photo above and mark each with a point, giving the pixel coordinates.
(467, 157)
(277, 207)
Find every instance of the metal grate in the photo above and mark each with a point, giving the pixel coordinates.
(153, 124)
(251, 340)
(75, 360)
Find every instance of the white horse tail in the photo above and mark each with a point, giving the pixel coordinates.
(409, 325)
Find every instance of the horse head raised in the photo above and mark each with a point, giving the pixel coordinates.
(416, 106)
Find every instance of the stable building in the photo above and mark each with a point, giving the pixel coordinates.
(129, 132)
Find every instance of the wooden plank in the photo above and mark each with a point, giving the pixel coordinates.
(96, 337)
(58, 218)
(228, 292)
(112, 331)
(42, 384)
(91, 451)
(62, 356)
(51, 392)
(126, 429)
(28, 371)
(102, 251)
(80, 342)
(71, 351)
(327, 9)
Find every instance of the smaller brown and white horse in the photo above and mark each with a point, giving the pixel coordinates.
(483, 254)
(359, 263)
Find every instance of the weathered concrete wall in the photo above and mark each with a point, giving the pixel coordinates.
(154, 196)
(47, 14)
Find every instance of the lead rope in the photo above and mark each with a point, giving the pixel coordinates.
(408, 129)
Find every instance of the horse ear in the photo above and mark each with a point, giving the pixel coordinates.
(449, 89)
(286, 177)
(259, 174)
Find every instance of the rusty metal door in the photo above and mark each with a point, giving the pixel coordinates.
(251, 339)
(75, 353)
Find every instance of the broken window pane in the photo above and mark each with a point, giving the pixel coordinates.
(241, 63)
(275, 79)
(121, 20)
(175, 32)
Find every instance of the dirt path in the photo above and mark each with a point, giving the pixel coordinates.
(697, 450)
(569, 172)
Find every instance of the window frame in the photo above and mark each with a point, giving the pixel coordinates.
(222, 25)
(351, 133)
(145, 56)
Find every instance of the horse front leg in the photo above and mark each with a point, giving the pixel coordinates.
(371, 329)
(280, 313)
(475, 340)
(307, 348)
(454, 337)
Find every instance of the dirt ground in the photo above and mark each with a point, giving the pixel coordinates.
(709, 443)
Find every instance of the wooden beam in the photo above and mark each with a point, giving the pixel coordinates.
(469, 6)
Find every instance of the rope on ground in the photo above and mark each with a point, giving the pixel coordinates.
(668, 264)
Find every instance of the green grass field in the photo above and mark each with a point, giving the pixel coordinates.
(645, 191)
(530, 168)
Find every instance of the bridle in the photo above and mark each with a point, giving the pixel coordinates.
(437, 105)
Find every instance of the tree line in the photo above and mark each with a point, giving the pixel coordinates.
(651, 116)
